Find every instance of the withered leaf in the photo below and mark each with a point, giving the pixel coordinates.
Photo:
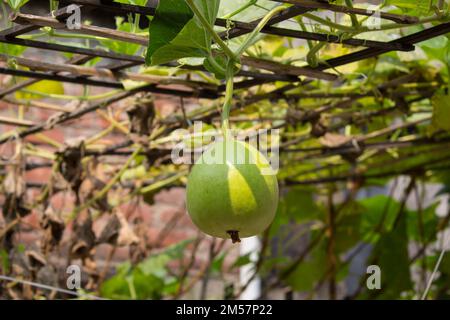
(35, 259)
(141, 115)
(83, 238)
(334, 140)
(87, 191)
(118, 231)
(70, 163)
(54, 229)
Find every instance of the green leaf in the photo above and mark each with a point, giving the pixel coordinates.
(269, 264)
(147, 280)
(429, 224)
(242, 261)
(412, 7)
(441, 111)
(12, 49)
(296, 205)
(217, 263)
(299, 205)
(120, 46)
(306, 275)
(393, 260)
(4, 261)
(176, 33)
(437, 49)
(132, 285)
(116, 287)
(156, 264)
(348, 226)
(16, 4)
(147, 286)
(379, 215)
(133, 2)
(445, 263)
(219, 60)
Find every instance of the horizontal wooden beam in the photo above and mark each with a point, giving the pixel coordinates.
(412, 39)
(15, 31)
(105, 73)
(27, 19)
(313, 5)
(286, 68)
(298, 34)
(207, 94)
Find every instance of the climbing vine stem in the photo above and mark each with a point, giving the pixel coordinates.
(229, 76)
(209, 28)
(247, 42)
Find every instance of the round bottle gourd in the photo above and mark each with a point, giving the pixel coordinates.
(232, 192)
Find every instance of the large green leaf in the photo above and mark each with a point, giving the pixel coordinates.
(147, 280)
(393, 260)
(422, 225)
(299, 205)
(147, 286)
(117, 287)
(379, 215)
(175, 32)
(413, 7)
(348, 226)
(296, 205)
(135, 285)
(120, 46)
(309, 272)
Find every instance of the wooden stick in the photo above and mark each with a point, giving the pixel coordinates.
(402, 19)
(16, 122)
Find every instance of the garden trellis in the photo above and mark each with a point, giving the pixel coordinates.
(314, 149)
(74, 73)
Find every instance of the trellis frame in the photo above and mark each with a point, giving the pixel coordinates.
(73, 72)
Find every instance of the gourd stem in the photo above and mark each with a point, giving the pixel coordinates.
(234, 235)
(229, 76)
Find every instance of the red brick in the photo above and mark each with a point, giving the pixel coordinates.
(32, 220)
(38, 175)
(182, 218)
(144, 212)
(173, 196)
(27, 238)
(175, 237)
(166, 213)
(103, 251)
(63, 201)
(56, 134)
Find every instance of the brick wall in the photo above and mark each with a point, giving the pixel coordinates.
(167, 213)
